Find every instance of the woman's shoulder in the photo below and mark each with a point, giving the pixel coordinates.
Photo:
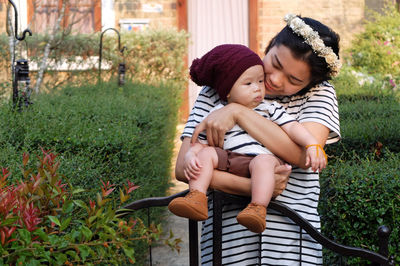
(325, 88)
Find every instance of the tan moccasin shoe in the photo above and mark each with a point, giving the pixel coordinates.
(192, 206)
(253, 217)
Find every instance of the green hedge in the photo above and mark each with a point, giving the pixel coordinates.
(366, 124)
(359, 195)
(360, 187)
(100, 132)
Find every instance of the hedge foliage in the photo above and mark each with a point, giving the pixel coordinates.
(360, 187)
(152, 57)
(101, 132)
(359, 195)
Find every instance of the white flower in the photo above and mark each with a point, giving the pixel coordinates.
(312, 38)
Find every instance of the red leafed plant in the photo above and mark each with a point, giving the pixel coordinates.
(39, 222)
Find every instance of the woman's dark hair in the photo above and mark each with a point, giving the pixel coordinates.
(301, 50)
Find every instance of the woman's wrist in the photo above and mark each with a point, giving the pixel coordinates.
(235, 110)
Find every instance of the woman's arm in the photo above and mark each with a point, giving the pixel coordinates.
(263, 130)
(230, 183)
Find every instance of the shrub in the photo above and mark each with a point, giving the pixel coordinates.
(352, 85)
(100, 132)
(367, 125)
(377, 48)
(359, 195)
(39, 223)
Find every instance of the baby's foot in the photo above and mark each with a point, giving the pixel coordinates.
(253, 217)
(192, 206)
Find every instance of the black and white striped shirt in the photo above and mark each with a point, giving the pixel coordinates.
(280, 242)
(238, 140)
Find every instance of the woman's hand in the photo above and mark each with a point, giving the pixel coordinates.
(282, 173)
(238, 185)
(216, 124)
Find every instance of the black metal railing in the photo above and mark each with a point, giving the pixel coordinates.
(221, 198)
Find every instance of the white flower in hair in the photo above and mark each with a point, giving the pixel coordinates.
(312, 38)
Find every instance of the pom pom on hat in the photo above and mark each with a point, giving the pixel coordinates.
(222, 66)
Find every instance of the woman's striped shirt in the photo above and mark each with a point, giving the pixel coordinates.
(280, 243)
(238, 140)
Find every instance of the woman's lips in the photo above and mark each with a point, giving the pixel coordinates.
(269, 87)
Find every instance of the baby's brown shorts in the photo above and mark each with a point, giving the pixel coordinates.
(233, 162)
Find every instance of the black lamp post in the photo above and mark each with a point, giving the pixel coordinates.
(21, 83)
(121, 74)
(121, 66)
(21, 78)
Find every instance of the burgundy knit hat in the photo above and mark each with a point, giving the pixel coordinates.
(222, 66)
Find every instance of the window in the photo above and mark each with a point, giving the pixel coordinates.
(83, 15)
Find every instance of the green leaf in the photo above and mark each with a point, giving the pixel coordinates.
(9, 221)
(65, 223)
(73, 254)
(54, 220)
(39, 232)
(68, 207)
(25, 235)
(84, 251)
(86, 232)
(129, 252)
(60, 258)
(92, 218)
(78, 190)
(80, 203)
(54, 240)
(109, 229)
(74, 235)
(32, 262)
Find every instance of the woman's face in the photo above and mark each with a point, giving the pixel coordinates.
(284, 74)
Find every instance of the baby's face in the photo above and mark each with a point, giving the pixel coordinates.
(249, 88)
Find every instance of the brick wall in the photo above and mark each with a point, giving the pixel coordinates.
(343, 16)
(3, 15)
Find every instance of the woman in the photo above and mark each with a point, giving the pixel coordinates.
(297, 64)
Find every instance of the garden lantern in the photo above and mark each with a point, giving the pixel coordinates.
(121, 74)
(21, 83)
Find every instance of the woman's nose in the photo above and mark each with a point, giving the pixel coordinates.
(275, 79)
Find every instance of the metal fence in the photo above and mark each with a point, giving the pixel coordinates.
(221, 198)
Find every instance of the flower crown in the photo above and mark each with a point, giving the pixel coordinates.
(312, 38)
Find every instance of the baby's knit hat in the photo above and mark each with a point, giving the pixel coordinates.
(222, 66)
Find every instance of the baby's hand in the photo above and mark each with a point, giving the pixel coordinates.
(316, 157)
(192, 166)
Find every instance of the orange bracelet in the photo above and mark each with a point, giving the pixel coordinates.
(318, 146)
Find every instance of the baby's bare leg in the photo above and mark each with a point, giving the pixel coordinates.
(262, 169)
(209, 161)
